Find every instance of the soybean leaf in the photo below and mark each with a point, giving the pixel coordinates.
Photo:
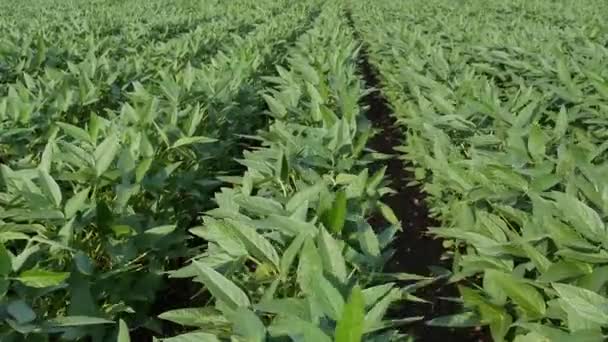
(40, 278)
(196, 317)
(50, 187)
(351, 323)
(5, 262)
(193, 337)
(309, 267)
(336, 216)
(192, 140)
(277, 109)
(536, 143)
(123, 332)
(524, 295)
(75, 132)
(298, 329)
(388, 213)
(105, 153)
(296, 307)
(587, 304)
(248, 326)
(461, 320)
(582, 217)
(328, 297)
(21, 312)
(74, 321)
(76, 203)
(221, 287)
(255, 243)
(260, 205)
(290, 254)
(290, 225)
(306, 194)
(331, 254)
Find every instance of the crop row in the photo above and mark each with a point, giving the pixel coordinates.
(138, 50)
(97, 191)
(504, 110)
(289, 252)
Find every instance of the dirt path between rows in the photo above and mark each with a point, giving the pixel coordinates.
(415, 249)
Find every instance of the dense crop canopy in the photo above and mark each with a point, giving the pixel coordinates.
(504, 109)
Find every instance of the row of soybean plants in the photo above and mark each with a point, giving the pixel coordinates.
(136, 40)
(95, 198)
(289, 253)
(504, 108)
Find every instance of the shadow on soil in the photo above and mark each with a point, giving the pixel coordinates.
(415, 249)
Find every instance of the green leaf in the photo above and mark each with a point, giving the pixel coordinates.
(328, 297)
(123, 332)
(307, 194)
(283, 168)
(39, 278)
(368, 240)
(142, 168)
(74, 321)
(221, 287)
(388, 213)
(561, 123)
(595, 280)
(192, 140)
(259, 205)
(5, 262)
(276, 108)
(373, 318)
(84, 264)
(371, 295)
(4, 284)
(296, 307)
(587, 304)
(76, 203)
(582, 217)
(309, 267)
(290, 226)
(290, 254)
(196, 317)
(536, 143)
(298, 329)
(50, 187)
(256, 244)
(524, 295)
(552, 334)
(75, 132)
(248, 326)
(335, 218)
(21, 312)
(193, 337)
(564, 269)
(47, 156)
(351, 323)
(461, 320)
(105, 153)
(161, 231)
(331, 255)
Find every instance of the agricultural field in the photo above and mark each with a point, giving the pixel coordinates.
(257, 170)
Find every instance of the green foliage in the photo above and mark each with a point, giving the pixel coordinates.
(290, 255)
(503, 107)
(116, 119)
(122, 125)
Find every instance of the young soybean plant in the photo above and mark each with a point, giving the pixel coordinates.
(289, 253)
